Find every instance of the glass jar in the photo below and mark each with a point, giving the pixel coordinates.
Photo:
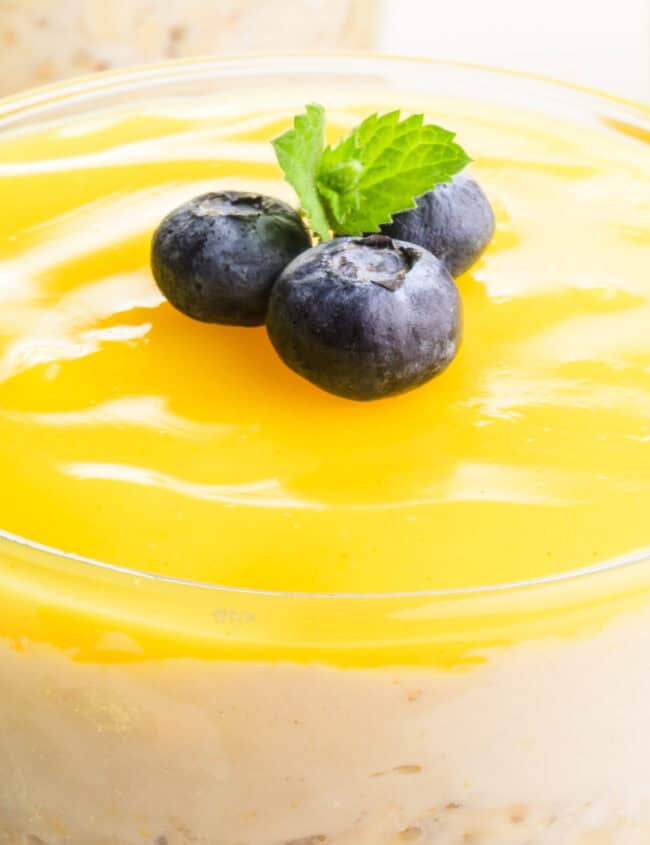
(142, 709)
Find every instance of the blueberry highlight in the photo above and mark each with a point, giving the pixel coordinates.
(365, 318)
(216, 257)
(455, 222)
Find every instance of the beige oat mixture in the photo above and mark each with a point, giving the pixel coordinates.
(544, 743)
(43, 40)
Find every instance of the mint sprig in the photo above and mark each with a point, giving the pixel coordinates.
(299, 152)
(377, 170)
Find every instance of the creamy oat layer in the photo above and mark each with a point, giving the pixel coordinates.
(544, 743)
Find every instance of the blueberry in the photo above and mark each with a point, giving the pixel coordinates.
(365, 317)
(455, 222)
(216, 257)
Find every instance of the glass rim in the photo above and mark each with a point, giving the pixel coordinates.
(608, 566)
(34, 101)
(254, 61)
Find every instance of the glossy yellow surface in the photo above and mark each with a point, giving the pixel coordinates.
(133, 435)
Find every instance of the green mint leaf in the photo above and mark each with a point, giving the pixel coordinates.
(299, 151)
(381, 167)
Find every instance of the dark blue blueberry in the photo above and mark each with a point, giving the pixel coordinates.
(365, 317)
(216, 257)
(455, 222)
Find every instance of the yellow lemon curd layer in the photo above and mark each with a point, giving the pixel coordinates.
(137, 437)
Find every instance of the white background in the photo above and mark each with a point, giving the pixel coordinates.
(604, 44)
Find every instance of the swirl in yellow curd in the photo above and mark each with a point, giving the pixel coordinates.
(140, 710)
(137, 437)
